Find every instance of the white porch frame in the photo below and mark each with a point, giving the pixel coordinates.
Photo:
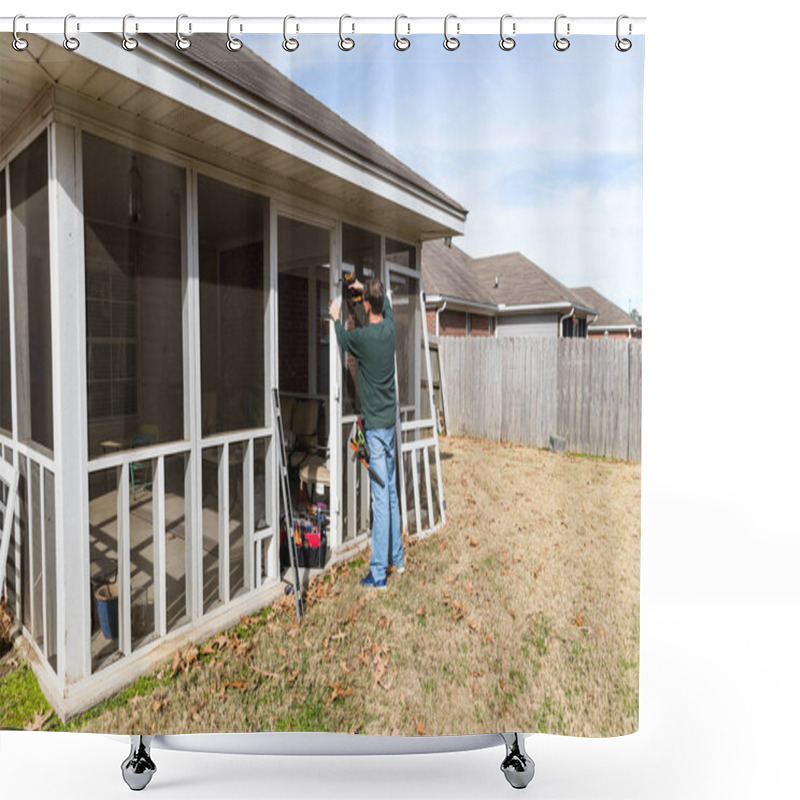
(74, 684)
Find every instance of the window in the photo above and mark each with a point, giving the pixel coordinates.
(231, 229)
(5, 335)
(31, 254)
(134, 207)
(574, 327)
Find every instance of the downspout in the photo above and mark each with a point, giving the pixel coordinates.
(561, 319)
(439, 311)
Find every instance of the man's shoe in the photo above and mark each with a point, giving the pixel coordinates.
(370, 583)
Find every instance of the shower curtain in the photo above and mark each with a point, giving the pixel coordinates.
(175, 223)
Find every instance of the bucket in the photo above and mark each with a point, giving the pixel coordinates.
(106, 597)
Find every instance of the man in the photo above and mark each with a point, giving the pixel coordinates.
(373, 346)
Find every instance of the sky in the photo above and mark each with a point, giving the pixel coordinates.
(544, 148)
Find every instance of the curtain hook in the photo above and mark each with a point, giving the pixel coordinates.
(233, 44)
(451, 42)
(128, 42)
(70, 42)
(506, 42)
(19, 44)
(400, 42)
(290, 45)
(561, 43)
(623, 45)
(181, 42)
(345, 43)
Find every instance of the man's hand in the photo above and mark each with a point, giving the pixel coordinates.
(334, 307)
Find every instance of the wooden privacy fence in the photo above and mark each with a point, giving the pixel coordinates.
(527, 389)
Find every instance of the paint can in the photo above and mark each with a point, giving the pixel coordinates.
(107, 599)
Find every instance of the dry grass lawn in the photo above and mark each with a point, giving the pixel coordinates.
(521, 613)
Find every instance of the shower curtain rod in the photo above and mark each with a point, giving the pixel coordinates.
(404, 25)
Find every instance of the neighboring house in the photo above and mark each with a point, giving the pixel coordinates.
(611, 320)
(456, 303)
(503, 295)
(172, 225)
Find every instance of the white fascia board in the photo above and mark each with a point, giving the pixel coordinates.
(502, 308)
(459, 303)
(222, 101)
(543, 307)
(598, 327)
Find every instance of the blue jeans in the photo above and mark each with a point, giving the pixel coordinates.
(387, 538)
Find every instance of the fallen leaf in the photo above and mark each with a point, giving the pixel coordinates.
(473, 542)
(337, 691)
(39, 721)
(421, 611)
(343, 665)
(443, 545)
(420, 727)
(579, 620)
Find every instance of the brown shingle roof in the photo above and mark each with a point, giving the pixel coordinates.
(520, 282)
(249, 72)
(608, 313)
(448, 271)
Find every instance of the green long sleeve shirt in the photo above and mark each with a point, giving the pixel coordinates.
(373, 346)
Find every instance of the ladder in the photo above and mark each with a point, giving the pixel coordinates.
(286, 497)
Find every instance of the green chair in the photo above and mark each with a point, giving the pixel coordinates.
(141, 472)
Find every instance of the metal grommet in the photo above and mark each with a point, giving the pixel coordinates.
(400, 42)
(623, 45)
(233, 44)
(70, 42)
(128, 42)
(18, 43)
(506, 42)
(345, 43)
(290, 45)
(451, 42)
(561, 43)
(181, 42)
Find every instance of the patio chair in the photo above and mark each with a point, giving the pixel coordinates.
(141, 472)
(315, 471)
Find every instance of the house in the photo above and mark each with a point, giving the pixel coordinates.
(173, 225)
(502, 295)
(611, 320)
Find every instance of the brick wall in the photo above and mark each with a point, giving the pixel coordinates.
(293, 342)
(430, 317)
(452, 323)
(479, 325)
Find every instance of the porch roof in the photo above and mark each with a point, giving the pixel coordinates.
(233, 110)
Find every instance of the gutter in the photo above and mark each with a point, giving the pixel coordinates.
(457, 302)
(505, 309)
(628, 328)
(439, 311)
(561, 319)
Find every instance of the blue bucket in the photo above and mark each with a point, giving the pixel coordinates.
(107, 601)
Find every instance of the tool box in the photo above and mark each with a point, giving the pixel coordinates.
(310, 538)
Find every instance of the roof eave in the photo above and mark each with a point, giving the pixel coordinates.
(213, 95)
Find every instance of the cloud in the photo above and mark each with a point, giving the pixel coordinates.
(543, 148)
